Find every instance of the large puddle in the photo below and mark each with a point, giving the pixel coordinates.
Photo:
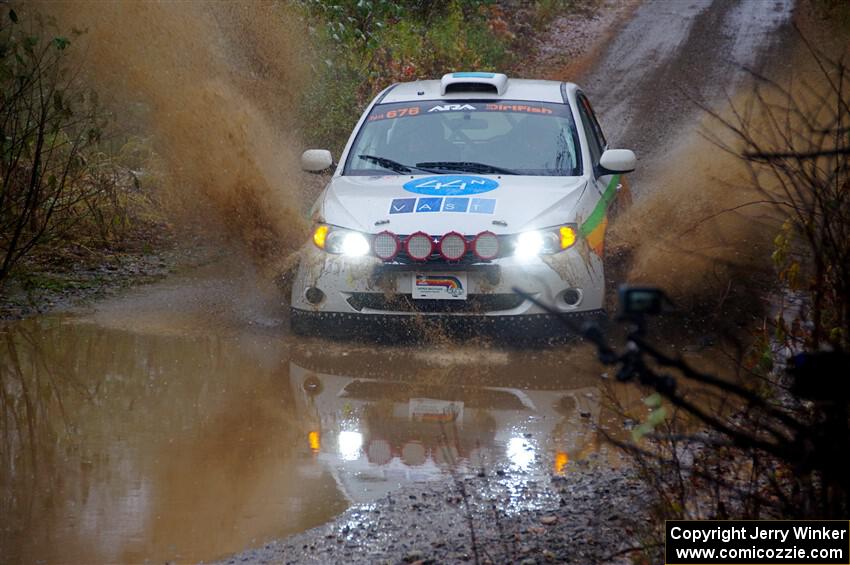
(125, 446)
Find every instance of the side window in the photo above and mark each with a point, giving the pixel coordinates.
(595, 138)
(594, 122)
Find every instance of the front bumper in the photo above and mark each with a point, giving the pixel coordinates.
(532, 327)
(361, 290)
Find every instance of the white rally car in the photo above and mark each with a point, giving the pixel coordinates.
(450, 193)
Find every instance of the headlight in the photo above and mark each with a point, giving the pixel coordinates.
(529, 244)
(354, 244)
(545, 241)
(340, 241)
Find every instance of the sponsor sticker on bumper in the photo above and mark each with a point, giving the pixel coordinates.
(434, 410)
(438, 286)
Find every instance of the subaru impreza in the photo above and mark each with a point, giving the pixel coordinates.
(448, 195)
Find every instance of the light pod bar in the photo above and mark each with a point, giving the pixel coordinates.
(486, 245)
(419, 246)
(386, 245)
(452, 246)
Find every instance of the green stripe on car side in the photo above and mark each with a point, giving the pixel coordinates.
(601, 207)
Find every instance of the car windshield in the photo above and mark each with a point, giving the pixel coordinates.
(483, 137)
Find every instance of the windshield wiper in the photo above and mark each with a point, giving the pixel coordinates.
(467, 167)
(392, 165)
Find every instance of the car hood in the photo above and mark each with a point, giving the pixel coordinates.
(405, 204)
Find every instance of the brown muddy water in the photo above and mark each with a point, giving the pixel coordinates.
(124, 440)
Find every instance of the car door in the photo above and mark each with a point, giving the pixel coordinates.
(593, 227)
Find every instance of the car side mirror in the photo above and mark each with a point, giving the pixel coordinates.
(316, 160)
(616, 161)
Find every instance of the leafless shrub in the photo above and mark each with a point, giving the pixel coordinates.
(767, 440)
(49, 122)
(795, 142)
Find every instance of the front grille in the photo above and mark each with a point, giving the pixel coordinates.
(476, 303)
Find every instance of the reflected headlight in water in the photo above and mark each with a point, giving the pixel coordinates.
(349, 444)
(340, 241)
(520, 452)
(545, 241)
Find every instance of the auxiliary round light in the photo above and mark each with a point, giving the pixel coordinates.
(386, 245)
(452, 246)
(419, 246)
(486, 245)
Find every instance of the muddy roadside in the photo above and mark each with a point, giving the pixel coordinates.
(587, 516)
(568, 47)
(76, 275)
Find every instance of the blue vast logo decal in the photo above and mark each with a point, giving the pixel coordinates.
(451, 185)
(470, 205)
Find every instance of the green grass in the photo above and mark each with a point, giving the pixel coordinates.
(362, 48)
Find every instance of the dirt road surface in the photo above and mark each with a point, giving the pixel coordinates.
(182, 422)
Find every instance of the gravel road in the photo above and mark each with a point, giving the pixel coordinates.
(585, 517)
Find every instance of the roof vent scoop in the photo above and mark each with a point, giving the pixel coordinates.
(494, 83)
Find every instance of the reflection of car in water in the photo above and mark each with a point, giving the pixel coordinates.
(378, 431)
(451, 192)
